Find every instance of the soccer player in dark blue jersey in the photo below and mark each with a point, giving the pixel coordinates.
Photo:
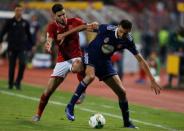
(109, 39)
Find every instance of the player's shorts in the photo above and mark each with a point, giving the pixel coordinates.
(61, 69)
(103, 66)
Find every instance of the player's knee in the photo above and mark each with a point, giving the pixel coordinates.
(90, 77)
(77, 66)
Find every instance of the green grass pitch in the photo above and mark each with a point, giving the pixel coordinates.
(18, 107)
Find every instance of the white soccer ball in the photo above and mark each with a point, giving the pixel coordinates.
(97, 121)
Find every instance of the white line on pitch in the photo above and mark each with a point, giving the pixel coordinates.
(86, 109)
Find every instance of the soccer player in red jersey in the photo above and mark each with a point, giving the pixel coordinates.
(69, 53)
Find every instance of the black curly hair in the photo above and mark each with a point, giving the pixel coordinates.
(126, 24)
(57, 7)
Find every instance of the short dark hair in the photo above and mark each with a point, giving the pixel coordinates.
(57, 7)
(18, 6)
(126, 24)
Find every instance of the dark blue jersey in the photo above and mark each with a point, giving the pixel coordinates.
(100, 50)
(107, 42)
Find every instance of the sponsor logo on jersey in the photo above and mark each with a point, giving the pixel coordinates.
(106, 40)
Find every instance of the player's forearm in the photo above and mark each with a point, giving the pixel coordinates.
(49, 40)
(77, 29)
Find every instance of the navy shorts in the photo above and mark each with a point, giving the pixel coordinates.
(103, 66)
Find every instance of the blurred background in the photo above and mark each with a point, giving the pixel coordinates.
(158, 31)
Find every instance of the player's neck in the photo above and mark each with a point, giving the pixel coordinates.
(60, 24)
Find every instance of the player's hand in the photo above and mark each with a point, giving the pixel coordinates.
(48, 47)
(61, 38)
(92, 26)
(156, 87)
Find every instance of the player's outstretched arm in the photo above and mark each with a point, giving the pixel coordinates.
(154, 85)
(89, 27)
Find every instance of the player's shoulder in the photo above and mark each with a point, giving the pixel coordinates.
(108, 27)
(74, 19)
(111, 27)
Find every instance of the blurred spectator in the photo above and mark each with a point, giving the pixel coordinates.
(163, 39)
(154, 63)
(117, 61)
(34, 29)
(176, 46)
(147, 46)
(18, 35)
(147, 43)
(176, 41)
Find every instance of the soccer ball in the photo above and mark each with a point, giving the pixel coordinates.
(97, 121)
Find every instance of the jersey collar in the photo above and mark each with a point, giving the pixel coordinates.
(116, 33)
(60, 24)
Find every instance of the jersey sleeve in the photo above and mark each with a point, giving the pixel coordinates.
(79, 21)
(104, 28)
(50, 31)
(131, 47)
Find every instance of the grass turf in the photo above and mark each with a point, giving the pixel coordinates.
(18, 107)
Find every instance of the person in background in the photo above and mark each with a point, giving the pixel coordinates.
(154, 63)
(19, 39)
(147, 46)
(176, 46)
(117, 60)
(163, 39)
(34, 29)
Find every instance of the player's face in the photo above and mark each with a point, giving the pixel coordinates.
(122, 32)
(61, 17)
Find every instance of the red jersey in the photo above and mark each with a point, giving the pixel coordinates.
(70, 48)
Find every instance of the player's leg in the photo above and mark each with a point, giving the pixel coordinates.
(22, 55)
(78, 67)
(89, 77)
(115, 84)
(80, 77)
(52, 85)
(60, 71)
(12, 56)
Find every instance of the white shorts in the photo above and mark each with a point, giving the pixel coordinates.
(61, 69)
